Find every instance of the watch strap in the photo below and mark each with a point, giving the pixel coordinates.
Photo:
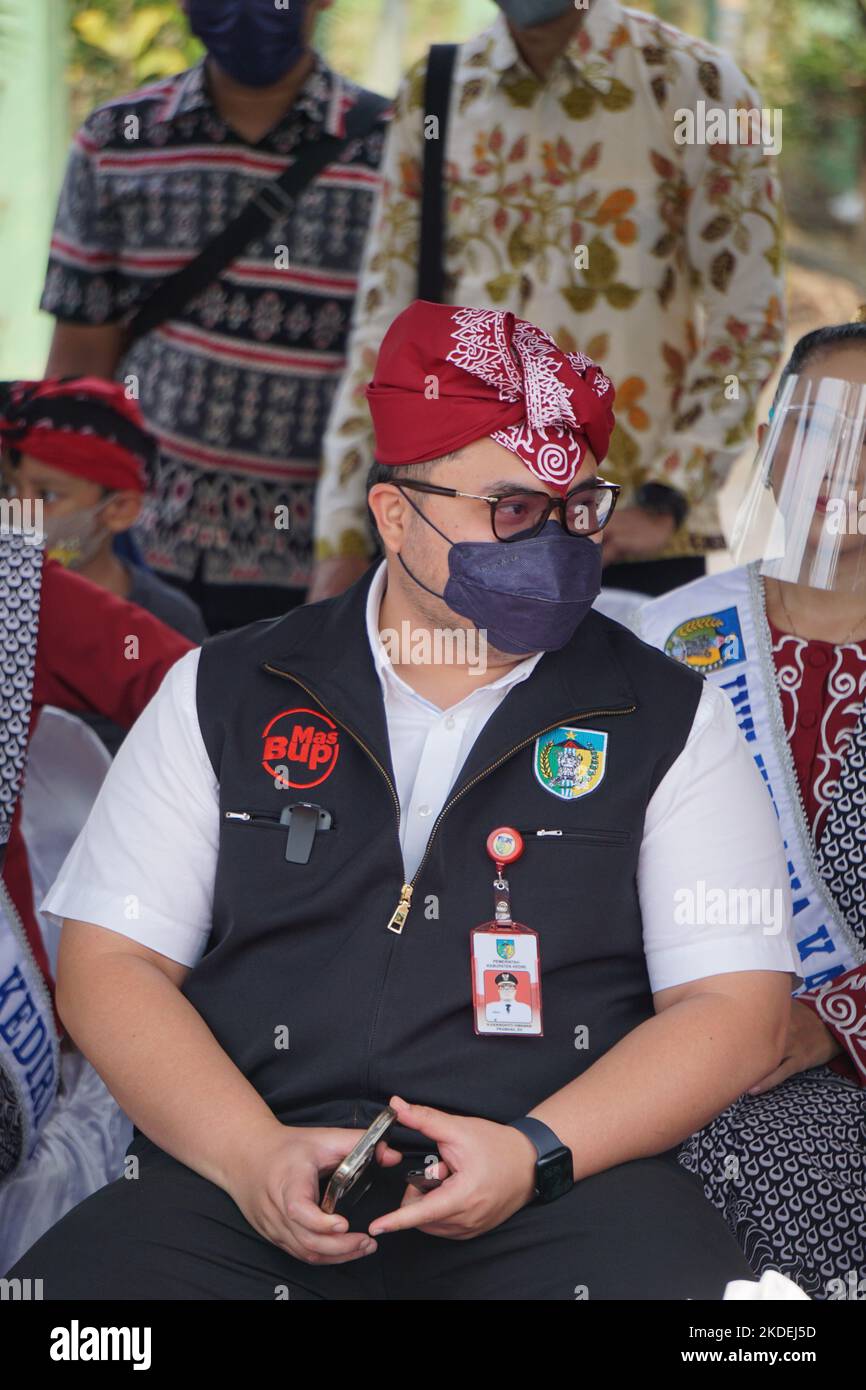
(539, 1134)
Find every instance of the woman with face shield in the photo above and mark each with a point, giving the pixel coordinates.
(784, 634)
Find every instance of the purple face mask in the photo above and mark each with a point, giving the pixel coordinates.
(527, 596)
(254, 41)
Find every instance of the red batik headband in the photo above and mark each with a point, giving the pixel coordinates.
(85, 426)
(446, 376)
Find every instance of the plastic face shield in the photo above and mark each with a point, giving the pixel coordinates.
(803, 517)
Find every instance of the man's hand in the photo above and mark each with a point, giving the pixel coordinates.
(634, 534)
(331, 577)
(810, 1044)
(491, 1174)
(278, 1193)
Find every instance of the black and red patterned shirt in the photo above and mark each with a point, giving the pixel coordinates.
(238, 386)
(822, 688)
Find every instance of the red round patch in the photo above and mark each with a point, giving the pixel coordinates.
(301, 747)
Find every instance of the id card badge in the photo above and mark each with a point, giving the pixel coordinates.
(507, 980)
(505, 957)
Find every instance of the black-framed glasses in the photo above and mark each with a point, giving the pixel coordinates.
(521, 514)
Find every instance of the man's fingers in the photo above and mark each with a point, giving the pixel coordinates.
(386, 1156)
(435, 1124)
(315, 1236)
(412, 1194)
(356, 1243)
(430, 1207)
(301, 1210)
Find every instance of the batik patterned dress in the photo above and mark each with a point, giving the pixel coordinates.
(788, 1168)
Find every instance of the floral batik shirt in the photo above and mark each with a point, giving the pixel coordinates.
(678, 294)
(238, 384)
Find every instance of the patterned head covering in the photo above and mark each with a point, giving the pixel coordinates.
(83, 425)
(446, 376)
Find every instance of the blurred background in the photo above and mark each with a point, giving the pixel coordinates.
(60, 58)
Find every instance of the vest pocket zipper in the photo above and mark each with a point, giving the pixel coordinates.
(587, 836)
(254, 818)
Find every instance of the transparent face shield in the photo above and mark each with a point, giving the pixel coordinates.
(803, 517)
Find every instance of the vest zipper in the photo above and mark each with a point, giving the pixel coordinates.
(588, 835)
(401, 911)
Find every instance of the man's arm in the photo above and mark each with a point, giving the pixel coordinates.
(387, 283)
(709, 1041)
(122, 1005)
(79, 350)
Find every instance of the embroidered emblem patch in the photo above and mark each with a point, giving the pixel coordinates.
(301, 747)
(709, 642)
(570, 762)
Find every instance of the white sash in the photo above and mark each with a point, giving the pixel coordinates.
(29, 1051)
(718, 626)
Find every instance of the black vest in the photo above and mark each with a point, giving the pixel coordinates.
(306, 947)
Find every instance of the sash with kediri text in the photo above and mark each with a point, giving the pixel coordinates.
(29, 1050)
(718, 626)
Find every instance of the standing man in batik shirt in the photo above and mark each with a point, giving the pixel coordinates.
(562, 135)
(237, 384)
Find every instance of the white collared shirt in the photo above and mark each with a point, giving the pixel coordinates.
(145, 862)
(429, 745)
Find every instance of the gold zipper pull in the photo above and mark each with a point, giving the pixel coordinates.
(401, 911)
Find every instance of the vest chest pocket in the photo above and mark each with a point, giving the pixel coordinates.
(586, 835)
(302, 822)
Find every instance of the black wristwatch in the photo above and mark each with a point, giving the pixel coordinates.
(661, 500)
(554, 1167)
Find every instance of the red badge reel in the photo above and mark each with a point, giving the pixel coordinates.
(505, 957)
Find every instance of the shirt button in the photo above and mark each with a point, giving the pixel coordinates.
(450, 721)
(817, 657)
(424, 810)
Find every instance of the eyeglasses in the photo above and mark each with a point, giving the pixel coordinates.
(520, 515)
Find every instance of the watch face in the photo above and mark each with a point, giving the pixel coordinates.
(554, 1175)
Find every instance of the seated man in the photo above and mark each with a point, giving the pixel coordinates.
(276, 986)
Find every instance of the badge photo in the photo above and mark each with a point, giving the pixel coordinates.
(506, 981)
(570, 762)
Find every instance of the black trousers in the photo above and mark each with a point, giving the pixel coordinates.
(642, 1230)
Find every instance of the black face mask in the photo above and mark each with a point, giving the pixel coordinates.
(527, 596)
(252, 40)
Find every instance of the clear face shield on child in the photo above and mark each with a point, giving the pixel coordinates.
(803, 516)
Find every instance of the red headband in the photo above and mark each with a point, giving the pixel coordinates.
(446, 376)
(85, 426)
